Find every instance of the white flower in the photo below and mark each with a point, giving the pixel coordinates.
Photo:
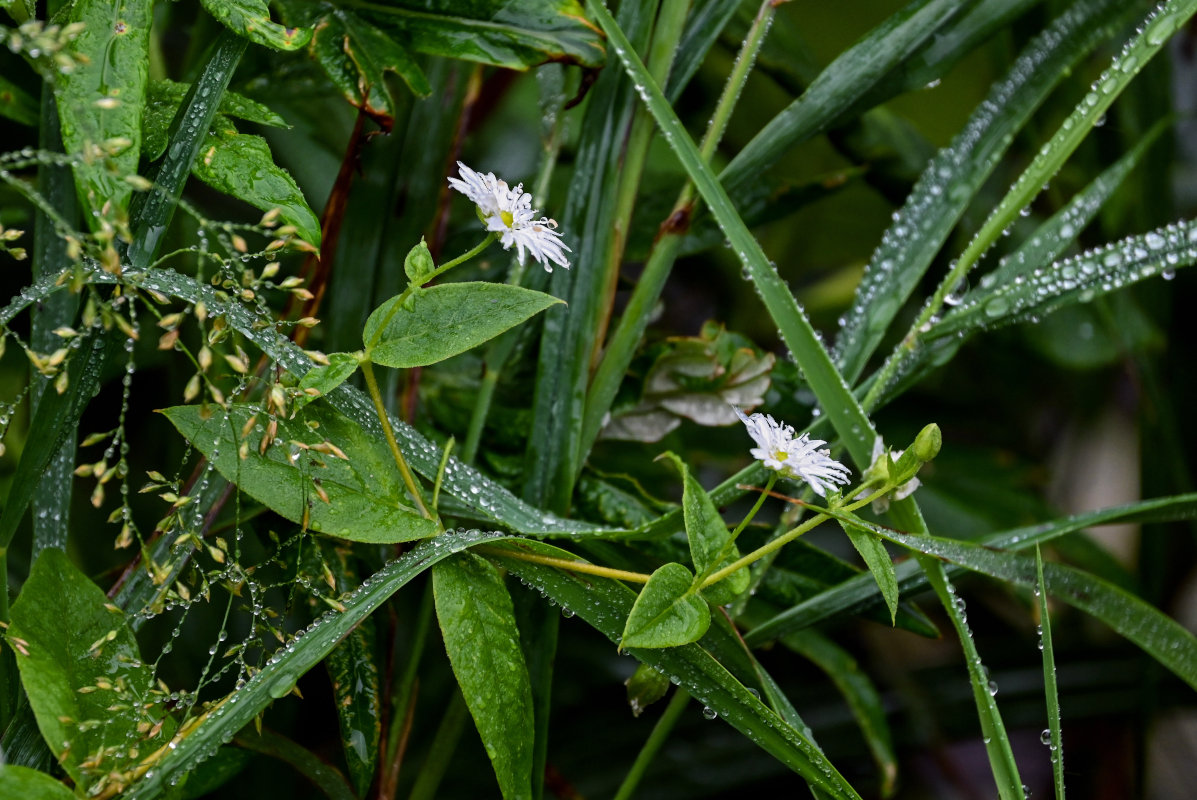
(903, 491)
(508, 212)
(792, 457)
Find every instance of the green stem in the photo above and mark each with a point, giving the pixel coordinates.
(634, 321)
(566, 564)
(661, 731)
(384, 419)
(785, 538)
(411, 287)
(441, 750)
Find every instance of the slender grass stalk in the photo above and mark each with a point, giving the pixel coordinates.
(652, 745)
(384, 420)
(444, 742)
(1050, 690)
(632, 324)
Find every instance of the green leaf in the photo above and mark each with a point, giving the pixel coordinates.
(1049, 677)
(114, 46)
(878, 561)
(17, 104)
(646, 686)
(708, 536)
(442, 321)
(326, 377)
(860, 692)
(277, 676)
(163, 99)
(469, 493)
(604, 604)
(353, 672)
(478, 623)
(356, 55)
(667, 613)
(365, 501)
(29, 784)
(251, 19)
(241, 165)
(83, 674)
(497, 32)
(327, 778)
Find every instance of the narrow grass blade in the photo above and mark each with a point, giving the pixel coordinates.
(1159, 636)
(279, 674)
(150, 213)
(956, 173)
(1049, 678)
(325, 777)
(1154, 31)
(856, 594)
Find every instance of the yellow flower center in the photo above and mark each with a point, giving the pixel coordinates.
(507, 217)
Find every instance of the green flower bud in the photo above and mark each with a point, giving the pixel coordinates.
(927, 443)
(419, 264)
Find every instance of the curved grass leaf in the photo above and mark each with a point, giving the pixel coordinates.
(55, 419)
(1160, 637)
(151, 211)
(282, 670)
(356, 55)
(241, 165)
(30, 784)
(841, 84)
(498, 32)
(325, 777)
(356, 497)
(83, 675)
(477, 622)
(858, 593)
(605, 605)
(1079, 279)
(472, 495)
(114, 46)
(858, 690)
(251, 19)
(442, 321)
(953, 177)
(666, 613)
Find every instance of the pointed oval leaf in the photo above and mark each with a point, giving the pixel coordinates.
(708, 536)
(29, 784)
(477, 620)
(446, 320)
(879, 563)
(362, 500)
(163, 99)
(326, 377)
(667, 614)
